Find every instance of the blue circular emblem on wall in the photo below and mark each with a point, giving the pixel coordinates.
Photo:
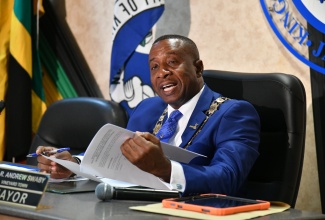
(292, 33)
(313, 11)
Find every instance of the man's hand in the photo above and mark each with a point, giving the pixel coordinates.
(56, 170)
(144, 151)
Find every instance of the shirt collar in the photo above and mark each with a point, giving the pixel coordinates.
(187, 108)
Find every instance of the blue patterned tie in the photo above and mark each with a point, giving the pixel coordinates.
(169, 127)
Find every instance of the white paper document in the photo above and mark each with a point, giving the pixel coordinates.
(74, 167)
(103, 158)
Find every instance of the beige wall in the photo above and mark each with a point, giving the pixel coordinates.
(231, 35)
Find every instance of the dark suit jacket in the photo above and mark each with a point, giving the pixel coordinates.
(229, 139)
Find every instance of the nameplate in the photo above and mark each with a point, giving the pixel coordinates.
(22, 188)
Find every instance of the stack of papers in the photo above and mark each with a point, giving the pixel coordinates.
(103, 159)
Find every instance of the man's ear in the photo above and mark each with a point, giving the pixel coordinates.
(199, 67)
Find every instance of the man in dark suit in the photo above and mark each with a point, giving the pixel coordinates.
(225, 130)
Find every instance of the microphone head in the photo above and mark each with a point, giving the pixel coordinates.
(104, 191)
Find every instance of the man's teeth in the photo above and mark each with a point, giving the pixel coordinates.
(166, 86)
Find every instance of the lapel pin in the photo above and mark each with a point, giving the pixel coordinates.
(194, 126)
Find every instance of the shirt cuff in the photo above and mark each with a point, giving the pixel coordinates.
(177, 178)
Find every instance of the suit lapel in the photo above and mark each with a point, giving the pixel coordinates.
(198, 114)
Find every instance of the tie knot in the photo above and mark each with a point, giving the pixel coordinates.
(175, 115)
(169, 127)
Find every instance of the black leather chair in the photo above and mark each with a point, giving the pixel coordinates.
(280, 101)
(73, 122)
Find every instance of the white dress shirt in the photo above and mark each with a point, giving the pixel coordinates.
(177, 179)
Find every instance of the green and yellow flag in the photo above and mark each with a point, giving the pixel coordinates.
(31, 76)
(5, 15)
(20, 76)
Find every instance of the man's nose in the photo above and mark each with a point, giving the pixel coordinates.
(164, 72)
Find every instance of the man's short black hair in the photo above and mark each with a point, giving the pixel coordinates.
(186, 40)
(174, 36)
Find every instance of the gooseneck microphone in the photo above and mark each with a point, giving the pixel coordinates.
(106, 192)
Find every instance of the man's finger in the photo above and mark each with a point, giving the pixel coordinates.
(42, 149)
(148, 136)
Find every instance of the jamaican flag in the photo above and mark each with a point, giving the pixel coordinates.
(20, 76)
(33, 74)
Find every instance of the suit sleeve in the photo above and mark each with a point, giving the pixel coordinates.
(235, 138)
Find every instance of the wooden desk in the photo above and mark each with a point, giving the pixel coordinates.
(87, 206)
